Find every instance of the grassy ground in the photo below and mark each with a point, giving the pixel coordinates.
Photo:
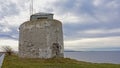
(16, 62)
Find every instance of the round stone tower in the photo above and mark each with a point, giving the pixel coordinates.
(41, 37)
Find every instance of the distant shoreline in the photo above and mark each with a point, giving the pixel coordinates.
(91, 51)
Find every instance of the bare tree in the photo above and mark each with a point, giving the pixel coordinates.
(8, 50)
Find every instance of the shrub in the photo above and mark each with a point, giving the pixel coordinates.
(8, 50)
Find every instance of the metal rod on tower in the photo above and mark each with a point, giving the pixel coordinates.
(31, 7)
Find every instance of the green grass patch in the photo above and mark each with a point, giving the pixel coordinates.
(16, 62)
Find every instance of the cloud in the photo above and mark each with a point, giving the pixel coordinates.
(76, 31)
(85, 14)
(93, 43)
(9, 33)
(7, 8)
(9, 42)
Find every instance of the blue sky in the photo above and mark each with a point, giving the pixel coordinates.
(87, 24)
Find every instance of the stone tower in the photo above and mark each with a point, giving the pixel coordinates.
(41, 37)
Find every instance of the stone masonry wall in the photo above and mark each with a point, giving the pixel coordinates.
(41, 39)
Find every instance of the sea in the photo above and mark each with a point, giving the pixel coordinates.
(95, 56)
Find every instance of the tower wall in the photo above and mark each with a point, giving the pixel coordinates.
(42, 38)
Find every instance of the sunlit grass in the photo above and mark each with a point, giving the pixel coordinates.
(16, 62)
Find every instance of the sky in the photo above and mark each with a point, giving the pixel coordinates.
(88, 25)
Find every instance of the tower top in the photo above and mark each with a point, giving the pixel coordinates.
(41, 15)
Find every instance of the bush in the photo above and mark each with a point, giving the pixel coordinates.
(8, 50)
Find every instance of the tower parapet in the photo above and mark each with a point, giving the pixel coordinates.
(41, 16)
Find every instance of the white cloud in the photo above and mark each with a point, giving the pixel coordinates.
(97, 2)
(107, 11)
(15, 21)
(100, 31)
(113, 5)
(5, 30)
(9, 42)
(74, 19)
(69, 18)
(42, 5)
(93, 43)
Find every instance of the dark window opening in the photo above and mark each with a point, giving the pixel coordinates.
(42, 18)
